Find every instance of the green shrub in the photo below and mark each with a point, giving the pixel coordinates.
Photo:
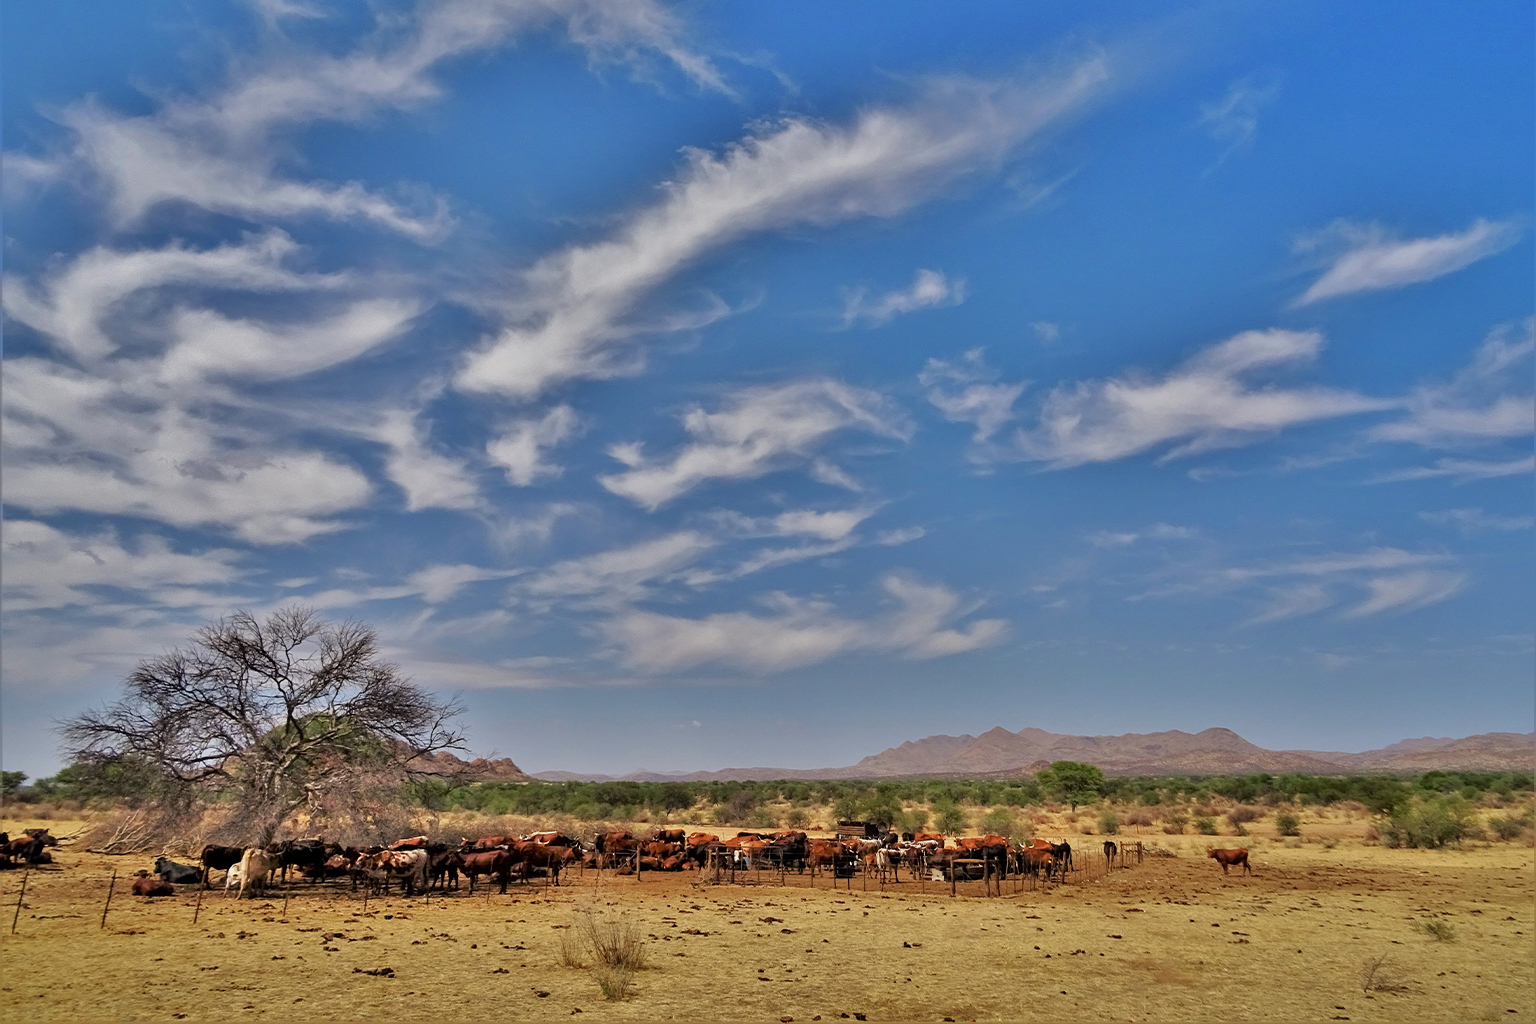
(997, 822)
(1205, 825)
(1430, 824)
(797, 817)
(1174, 823)
(1287, 824)
(949, 818)
(1108, 823)
(1507, 828)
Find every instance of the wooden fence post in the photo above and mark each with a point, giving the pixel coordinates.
(198, 909)
(21, 896)
(107, 906)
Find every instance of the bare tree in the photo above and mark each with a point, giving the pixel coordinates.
(276, 715)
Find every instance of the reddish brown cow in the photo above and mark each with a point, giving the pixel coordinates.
(145, 884)
(669, 835)
(1230, 859)
(413, 843)
(498, 863)
(927, 837)
(537, 855)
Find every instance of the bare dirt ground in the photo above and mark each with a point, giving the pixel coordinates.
(1170, 939)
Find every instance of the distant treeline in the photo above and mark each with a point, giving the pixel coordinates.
(883, 800)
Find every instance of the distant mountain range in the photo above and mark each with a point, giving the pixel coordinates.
(1211, 752)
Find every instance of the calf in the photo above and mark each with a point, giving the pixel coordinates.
(182, 874)
(145, 884)
(444, 866)
(1230, 859)
(232, 879)
(256, 867)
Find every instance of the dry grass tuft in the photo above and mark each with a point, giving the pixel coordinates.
(1440, 931)
(617, 983)
(613, 940)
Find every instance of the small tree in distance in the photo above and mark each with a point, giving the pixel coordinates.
(1072, 781)
(273, 715)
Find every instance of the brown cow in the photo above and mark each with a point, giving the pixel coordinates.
(145, 884)
(929, 837)
(1230, 859)
(413, 843)
(550, 858)
(669, 835)
(497, 863)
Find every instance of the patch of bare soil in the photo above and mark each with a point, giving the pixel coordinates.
(1169, 939)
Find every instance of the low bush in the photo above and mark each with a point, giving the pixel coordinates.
(1239, 816)
(1108, 823)
(1438, 930)
(1205, 825)
(1139, 819)
(1507, 828)
(1174, 823)
(616, 983)
(1287, 824)
(1430, 824)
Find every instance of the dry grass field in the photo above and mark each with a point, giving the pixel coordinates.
(1170, 939)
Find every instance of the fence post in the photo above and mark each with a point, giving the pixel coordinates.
(23, 895)
(198, 909)
(107, 906)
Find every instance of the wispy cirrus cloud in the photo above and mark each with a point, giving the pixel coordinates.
(224, 152)
(1461, 471)
(1233, 120)
(519, 448)
(755, 431)
(1211, 401)
(1365, 257)
(930, 289)
(966, 391)
(1490, 400)
(1475, 520)
(794, 632)
(575, 316)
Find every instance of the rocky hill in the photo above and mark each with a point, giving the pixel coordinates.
(999, 752)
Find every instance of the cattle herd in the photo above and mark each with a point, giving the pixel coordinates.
(418, 864)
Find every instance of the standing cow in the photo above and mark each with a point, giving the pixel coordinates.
(1230, 859)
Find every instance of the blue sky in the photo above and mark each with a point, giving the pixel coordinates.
(716, 384)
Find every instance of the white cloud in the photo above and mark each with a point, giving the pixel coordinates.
(75, 441)
(437, 583)
(929, 289)
(1461, 470)
(572, 320)
(902, 535)
(73, 302)
(797, 632)
(1367, 258)
(960, 392)
(429, 478)
(835, 524)
(755, 432)
(208, 344)
(1157, 531)
(1290, 601)
(622, 574)
(1475, 520)
(1489, 400)
(1407, 592)
(1394, 579)
(48, 568)
(1046, 332)
(1206, 403)
(1233, 120)
(222, 152)
(520, 447)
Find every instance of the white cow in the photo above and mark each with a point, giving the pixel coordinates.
(232, 879)
(255, 870)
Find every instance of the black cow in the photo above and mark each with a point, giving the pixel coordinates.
(219, 858)
(308, 855)
(181, 874)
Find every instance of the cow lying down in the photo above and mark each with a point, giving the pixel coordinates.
(145, 884)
